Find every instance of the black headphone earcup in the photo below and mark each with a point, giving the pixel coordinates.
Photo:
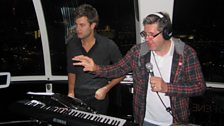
(167, 33)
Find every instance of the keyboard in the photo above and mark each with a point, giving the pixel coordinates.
(63, 115)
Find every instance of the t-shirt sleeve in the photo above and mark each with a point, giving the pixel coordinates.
(115, 53)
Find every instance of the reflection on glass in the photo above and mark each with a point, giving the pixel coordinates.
(68, 20)
(202, 29)
(113, 24)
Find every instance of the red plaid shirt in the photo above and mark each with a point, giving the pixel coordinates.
(186, 80)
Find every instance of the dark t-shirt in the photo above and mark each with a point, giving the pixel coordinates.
(104, 52)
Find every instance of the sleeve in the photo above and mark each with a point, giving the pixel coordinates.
(72, 50)
(189, 80)
(115, 53)
(70, 68)
(122, 67)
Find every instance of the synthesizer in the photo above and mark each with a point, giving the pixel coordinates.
(64, 116)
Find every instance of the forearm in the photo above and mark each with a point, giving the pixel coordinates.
(102, 92)
(113, 82)
(71, 84)
(114, 71)
(188, 79)
(187, 87)
(71, 88)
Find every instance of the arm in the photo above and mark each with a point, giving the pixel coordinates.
(101, 92)
(110, 71)
(71, 84)
(189, 80)
(89, 65)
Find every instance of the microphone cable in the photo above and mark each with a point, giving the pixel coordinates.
(168, 109)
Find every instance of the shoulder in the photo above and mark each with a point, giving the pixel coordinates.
(139, 49)
(139, 46)
(73, 40)
(142, 48)
(102, 40)
(73, 44)
(183, 48)
(101, 37)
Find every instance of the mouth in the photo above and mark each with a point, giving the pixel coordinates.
(150, 45)
(79, 34)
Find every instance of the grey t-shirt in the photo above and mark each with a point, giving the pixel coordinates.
(104, 52)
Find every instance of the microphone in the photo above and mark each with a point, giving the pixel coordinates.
(149, 67)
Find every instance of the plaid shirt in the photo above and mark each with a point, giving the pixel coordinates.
(186, 80)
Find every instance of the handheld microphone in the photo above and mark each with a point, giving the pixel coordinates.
(149, 68)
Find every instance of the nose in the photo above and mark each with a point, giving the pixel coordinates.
(149, 38)
(77, 27)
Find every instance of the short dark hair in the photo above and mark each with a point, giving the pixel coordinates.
(88, 11)
(163, 22)
(161, 18)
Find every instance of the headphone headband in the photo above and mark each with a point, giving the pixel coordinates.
(167, 30)
(158, 14)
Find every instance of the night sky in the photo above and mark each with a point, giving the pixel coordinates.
(199, 17)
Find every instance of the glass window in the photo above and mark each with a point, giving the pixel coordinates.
(116, 22)
(20, 48)
(199, 23)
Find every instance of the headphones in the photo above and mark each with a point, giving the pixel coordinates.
(167, 30)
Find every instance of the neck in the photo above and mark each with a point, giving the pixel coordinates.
(164, 49)
(90, 40)
(88, 43)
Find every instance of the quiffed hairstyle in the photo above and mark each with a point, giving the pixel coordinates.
(88, 11)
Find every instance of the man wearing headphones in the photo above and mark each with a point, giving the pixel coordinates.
(166, 72)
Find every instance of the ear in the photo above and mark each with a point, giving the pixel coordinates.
(93, 25)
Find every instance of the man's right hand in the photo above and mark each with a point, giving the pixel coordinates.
(86, 62)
